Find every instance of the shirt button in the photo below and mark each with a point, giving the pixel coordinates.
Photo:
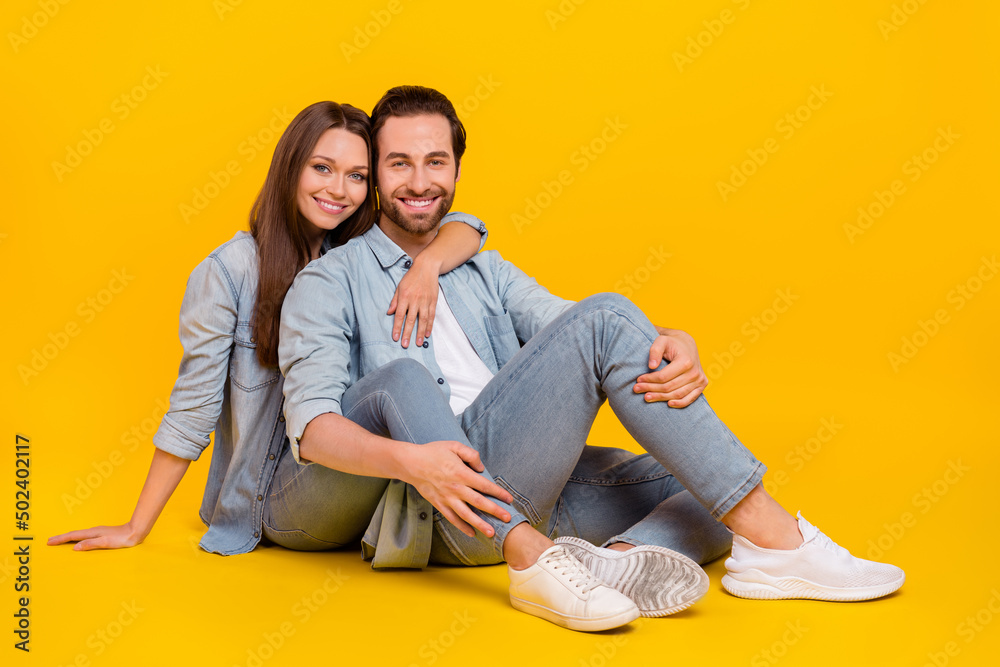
(281, 418)
(423, 516)
(440, 380)
(252, 339)
(407, 264)
(256, 534)
(270, 457)
(260, 497)
(425, 344)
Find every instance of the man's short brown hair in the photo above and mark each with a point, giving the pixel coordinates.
(409, 101)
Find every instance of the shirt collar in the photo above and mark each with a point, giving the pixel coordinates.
(327, 244)
(387, 252)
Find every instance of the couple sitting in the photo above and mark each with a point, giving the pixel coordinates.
(469, 447)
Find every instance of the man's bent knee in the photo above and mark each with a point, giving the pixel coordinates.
(408, 372)
(612, 303)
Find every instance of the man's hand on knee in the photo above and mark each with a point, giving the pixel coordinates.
(682, 380)
(445, 474)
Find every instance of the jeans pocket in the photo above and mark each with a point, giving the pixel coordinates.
(521, 503)
(285, 475)
(297, 540)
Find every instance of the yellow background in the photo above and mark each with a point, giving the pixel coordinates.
(537, 82)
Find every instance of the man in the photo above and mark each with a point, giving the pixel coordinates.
(526, 372)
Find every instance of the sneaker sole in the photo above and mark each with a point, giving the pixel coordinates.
(579, 623)
(792, 588)
(658, 580)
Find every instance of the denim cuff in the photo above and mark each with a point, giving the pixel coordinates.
(174, 439)
(479, 550)
(726, 506)
(500, 536)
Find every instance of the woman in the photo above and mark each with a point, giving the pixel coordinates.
(318, 193)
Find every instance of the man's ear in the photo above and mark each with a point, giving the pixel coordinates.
(458, 174)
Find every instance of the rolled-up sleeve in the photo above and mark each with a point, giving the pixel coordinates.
(471, 221)
(314, 349)
(207, 326)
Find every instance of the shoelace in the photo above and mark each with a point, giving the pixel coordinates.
(575, 571)
(822, 540)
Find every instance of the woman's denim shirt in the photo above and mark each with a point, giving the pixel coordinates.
(221, 387)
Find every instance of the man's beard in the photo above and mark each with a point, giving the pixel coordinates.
(417, 223)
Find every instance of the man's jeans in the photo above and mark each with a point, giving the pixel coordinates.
(530, 425)
(531, 421)
(312, 507)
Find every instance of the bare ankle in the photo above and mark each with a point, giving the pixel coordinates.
(523, 545)
(781, 535)
(762, 520)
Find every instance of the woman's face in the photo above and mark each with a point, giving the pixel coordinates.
(334, 182)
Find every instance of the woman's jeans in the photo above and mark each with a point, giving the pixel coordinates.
(530, 425)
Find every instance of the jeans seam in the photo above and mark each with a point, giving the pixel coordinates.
(450, 544)
(593, 481)
(276, 493)
(453, 547)
(296, 532)
(528, 508)
(557, 513)
(391, 404)
(742, 491)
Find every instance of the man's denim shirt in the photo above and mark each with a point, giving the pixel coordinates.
(334, 330)
(221, 387)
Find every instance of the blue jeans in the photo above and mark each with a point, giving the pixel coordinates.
(531, 421)
(312, 508)
(530, 425)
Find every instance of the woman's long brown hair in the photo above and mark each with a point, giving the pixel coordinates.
(275, 221)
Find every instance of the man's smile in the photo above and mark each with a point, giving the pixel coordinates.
(418, 202)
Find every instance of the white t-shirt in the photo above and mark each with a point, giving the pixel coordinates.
(461, 366)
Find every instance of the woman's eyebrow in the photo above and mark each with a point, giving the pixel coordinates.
(330, 159)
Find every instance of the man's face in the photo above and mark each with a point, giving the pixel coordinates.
(416, 171)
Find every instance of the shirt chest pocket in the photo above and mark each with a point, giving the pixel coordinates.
(244, 369)
(503, 340)
(377, 348)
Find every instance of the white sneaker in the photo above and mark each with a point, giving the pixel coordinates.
(658, 580)
(560, 589)
(818, 569)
